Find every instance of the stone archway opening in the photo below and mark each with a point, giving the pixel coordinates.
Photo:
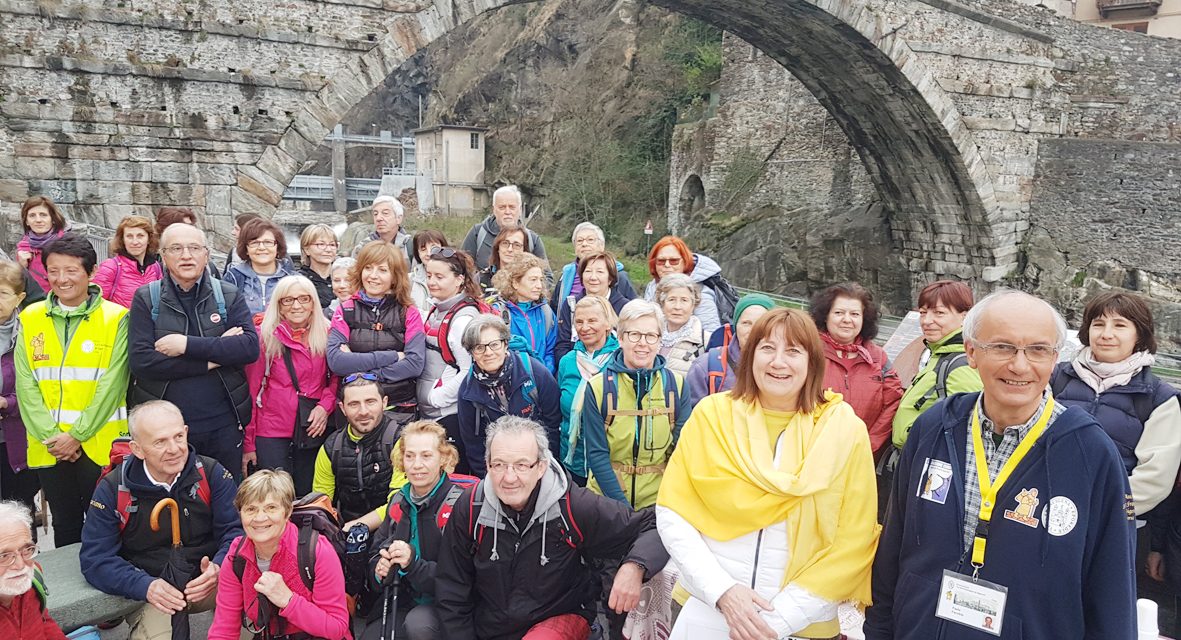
(692, 198)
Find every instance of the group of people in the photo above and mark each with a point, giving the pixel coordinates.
(505, 450)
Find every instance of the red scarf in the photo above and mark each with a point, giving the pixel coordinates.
(852, 347)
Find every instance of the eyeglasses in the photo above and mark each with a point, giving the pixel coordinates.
(513, 245)
(303, 301)
(27, 552)
(324, 246)
(668, 262)
(634, 337)
(443, 252)
(499, 467)
(1039, 353)
(180, 250)
(496, 346)
(353, 377)
(590, 240)
(261, 244)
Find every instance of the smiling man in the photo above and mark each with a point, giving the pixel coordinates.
(71, 382)
(1034, 536)
(121, 555)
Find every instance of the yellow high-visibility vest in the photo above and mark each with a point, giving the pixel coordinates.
(68, 375)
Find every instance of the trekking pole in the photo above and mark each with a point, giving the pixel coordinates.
(389, 607)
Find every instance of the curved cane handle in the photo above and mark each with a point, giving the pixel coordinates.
(167, 503)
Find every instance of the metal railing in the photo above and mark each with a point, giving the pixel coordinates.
(306, 187)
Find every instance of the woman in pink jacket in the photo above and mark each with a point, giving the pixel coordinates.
(262, 570)
(43, 223)
(134, 261)
(858, 369)
(293, 389)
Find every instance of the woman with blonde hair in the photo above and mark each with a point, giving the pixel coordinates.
(379, 330)
(410, 537)
(761, 483)
(594, 324)
(264, 565)
(318, 246)
(134, 261)
(522, 303)
(293, 390)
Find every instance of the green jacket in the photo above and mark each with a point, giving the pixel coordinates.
(921, 394)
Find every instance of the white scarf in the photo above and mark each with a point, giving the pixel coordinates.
(1101, 376)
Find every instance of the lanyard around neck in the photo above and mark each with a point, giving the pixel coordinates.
(989, 489)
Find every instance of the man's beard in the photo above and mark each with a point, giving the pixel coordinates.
(14, 585)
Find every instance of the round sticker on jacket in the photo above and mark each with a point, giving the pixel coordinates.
(215, 318)
(1060, 516)
(88, 346)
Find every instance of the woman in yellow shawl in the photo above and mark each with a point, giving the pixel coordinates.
(762, 480)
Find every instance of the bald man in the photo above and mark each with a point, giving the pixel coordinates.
(1010, 514)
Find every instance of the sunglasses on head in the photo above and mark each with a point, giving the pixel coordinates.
(353, 377)
(444, 252)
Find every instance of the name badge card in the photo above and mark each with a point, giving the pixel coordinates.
(978, 604)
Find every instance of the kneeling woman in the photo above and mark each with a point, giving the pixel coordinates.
(797, 460)
(412, 532)
(262, 572)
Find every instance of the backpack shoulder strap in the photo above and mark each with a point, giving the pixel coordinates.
(306, 555)
(481, 237)
(475, 504)
(154, 294)
(219, 296)
(334, 447)
(444, 512)
(238, 564)
(574, 537)
(672, 395)
(124, 501)
(287, 360)
(550, 317)
(204, 489)
(39, 586)
(530, 385)
(944, 368)
(609, 399)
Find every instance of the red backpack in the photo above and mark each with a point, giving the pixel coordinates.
(445, 327)
(125, 502)
(459, 483)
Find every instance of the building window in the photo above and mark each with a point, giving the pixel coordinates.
(475, 141)
(1137, 27)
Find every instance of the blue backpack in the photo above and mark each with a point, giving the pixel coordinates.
(218, 295)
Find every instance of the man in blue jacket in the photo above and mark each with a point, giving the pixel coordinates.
(191, 339)
(1037, 540)
(121, 555)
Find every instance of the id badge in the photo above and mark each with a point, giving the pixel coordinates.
(978, 604)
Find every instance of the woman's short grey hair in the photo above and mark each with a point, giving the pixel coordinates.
(398, 208)
(585, 226)
(668, 283)
(976, 314)
(343, 263)
(471, 335)
(512, 425)
(13, 511)
(637, 309)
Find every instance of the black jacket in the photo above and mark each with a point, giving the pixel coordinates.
(203, 395)
(536, 573)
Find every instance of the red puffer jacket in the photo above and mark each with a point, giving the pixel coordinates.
(869, 383)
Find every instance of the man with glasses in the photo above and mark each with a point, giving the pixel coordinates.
(516, 552)
(22, 595)
(122, 555)
(507, 204)
(1008, 510)
(191, 339)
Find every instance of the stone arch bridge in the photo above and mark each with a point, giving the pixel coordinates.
(115, 107)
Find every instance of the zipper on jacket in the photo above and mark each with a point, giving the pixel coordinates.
(754, 571)
(61, 396)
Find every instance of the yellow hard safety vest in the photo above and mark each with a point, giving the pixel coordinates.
(653, 421)
(68, 375)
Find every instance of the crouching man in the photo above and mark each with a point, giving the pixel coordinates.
(513, 559)
(121, 555)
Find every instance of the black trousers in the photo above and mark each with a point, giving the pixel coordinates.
(68, 488)
(280, 453)
(223, 445)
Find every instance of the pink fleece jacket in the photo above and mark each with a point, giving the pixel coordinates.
(322, 613)
(119, 277)
(274, 415)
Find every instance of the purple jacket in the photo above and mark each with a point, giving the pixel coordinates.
(10, 418)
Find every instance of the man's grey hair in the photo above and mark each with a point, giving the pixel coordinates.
(151, 406)
(514, 425)
(181, 226)
(13, 511)
(392, 201)
(587, 226)
(471, 334)
(509, 189)
(976, 314)
(666, 285)
(638, 308)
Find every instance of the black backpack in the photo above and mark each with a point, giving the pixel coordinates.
(725, 296)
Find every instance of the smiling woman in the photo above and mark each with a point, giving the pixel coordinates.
(263, 249)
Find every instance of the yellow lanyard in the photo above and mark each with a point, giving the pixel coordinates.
(988, 490)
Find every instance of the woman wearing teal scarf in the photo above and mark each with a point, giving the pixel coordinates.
(594, 327)
(408, 540)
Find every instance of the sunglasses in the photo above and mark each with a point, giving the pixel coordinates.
(353, 377)
(444, 252)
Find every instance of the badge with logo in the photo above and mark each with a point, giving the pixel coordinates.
(38, 343)
(1060, 516)
(935, 481)
(88, 346)
(215, 318)
(1026, 504)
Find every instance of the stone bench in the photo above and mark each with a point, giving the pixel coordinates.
(73, 602)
